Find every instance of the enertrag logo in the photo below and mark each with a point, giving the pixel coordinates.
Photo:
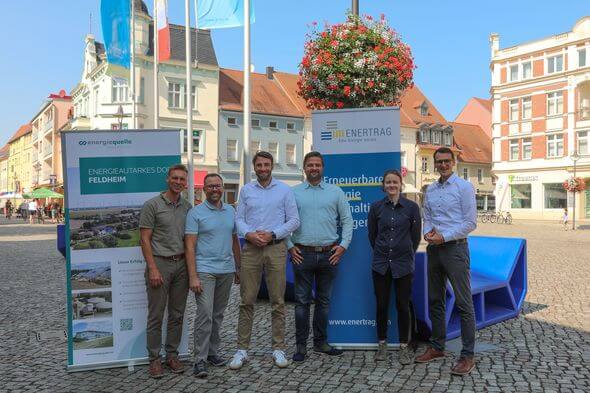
(112, 142)
(331, 132)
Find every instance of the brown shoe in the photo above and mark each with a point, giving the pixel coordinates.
(174, 365)
(156, 370)
(464, 366)
(430, 355)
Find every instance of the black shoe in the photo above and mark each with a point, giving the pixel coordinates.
(216, 361)
(200, 369)
(328, 350)
(298, 356)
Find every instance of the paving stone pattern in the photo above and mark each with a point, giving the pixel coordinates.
(547, 348)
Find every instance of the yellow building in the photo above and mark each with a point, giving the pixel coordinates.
(19, 160)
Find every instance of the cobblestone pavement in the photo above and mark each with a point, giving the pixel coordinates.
(547, 348)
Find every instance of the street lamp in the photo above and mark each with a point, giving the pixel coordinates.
(355, 7)
(119, 115)
(575, 157)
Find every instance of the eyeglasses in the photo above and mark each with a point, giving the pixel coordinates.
(443, 162)
(214, 186)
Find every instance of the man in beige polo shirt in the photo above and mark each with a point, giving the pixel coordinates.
(161, 224)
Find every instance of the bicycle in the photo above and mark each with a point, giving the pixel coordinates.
(504, 218)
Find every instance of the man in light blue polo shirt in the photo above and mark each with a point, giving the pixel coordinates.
(316, 249)
(211, 231)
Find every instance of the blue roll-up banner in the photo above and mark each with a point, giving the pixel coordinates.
(115, 17)
(358, 146)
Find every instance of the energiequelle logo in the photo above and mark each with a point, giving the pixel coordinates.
(105, 142)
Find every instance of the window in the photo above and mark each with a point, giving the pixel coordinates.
(513, 110)
(254, 147)
(526, 70)
(232, 121)
(230, 194)
(290, 154)
(273, 149)
(290, 126)
(96, 103)
(582, 57)
(403, 159)
(273, 124)
(466, 173)
(520, 196)
(555, 64)
(120, 91)
(196, 141)
(175, 93)
(232, 150)
(424, 109)
(115, 126)
(554, 145)
(424, 164)
(447, 139)
(255, 122)
(527, 108)
(141, 98)
(424, 135)
(514, 150)
(554, 103)
(479, 175)
(555, 196)
(436, 137)
(514, 72)
(527, 149)
(583, 142)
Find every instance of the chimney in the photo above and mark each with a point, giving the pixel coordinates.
(270, 72)
(494, 43)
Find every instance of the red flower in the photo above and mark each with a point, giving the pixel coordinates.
(346, 90)
(340, 105)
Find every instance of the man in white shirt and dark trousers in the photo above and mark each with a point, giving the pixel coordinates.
(449, 216)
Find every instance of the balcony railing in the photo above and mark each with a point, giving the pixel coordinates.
(47, 150)
(584, 114)
(48, 125)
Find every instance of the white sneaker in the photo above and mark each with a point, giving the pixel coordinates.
(279, 358)
(240, 357)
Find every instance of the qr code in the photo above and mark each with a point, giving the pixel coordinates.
(126, 324)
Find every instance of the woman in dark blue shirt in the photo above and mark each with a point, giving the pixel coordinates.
(394, 227)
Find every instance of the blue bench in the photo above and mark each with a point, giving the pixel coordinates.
(498, 284)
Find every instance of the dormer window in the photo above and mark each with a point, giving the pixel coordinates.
(424, 109)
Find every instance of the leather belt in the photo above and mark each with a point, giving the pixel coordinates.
(314, 248)
(174, 258)
(457, 241)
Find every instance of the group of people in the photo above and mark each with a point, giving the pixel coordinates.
(35, 211)
(198, 249)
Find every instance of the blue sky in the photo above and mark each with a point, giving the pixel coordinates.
(42, 42)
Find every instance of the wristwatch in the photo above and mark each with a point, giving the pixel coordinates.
(274, 236)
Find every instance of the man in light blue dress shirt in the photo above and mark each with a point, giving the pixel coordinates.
(266, 215)
(212, 252)
(449, 216)
(316, 249)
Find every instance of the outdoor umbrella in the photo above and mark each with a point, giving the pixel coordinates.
(43, 193)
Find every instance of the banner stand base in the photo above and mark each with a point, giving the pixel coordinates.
(361, 347)
(130, 364)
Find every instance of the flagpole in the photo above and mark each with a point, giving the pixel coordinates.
(156, 48)
(246, 175)
(188, 102)
(132, 73)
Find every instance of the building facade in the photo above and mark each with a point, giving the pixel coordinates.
(46, 140)
(4, 168)
(103, 98)
(20, 160)
(541, 123)
(477, 111)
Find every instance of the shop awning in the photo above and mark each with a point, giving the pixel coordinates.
(199, 178)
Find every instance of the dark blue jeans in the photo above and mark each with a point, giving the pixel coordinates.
(315, 266)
